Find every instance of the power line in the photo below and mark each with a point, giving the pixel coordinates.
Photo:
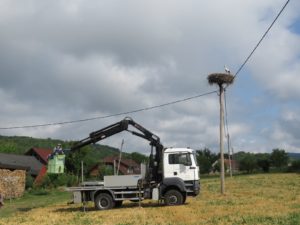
(261, 39)
(247, 59)
(111, 115)
(157, 106)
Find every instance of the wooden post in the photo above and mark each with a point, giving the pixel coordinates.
(221, 139)
(229, 158)
(221, 79)
(81, 171)
(120, 157)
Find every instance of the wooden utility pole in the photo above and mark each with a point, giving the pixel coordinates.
(229, 157)
(120, 157)
(222, 176)
(220, 79)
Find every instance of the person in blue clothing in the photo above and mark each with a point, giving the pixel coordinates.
(58, 150)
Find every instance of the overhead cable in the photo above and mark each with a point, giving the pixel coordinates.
(261, 39)
(111, 115)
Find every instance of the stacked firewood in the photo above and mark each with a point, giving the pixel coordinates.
(12, 183)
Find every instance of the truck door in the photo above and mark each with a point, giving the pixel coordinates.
(179, 166)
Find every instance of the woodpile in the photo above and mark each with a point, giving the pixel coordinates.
(12, 183)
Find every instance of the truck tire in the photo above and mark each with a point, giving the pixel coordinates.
(173, 197)
(104, 201)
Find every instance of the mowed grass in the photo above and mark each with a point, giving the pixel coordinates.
(32, 200)
(252, 199)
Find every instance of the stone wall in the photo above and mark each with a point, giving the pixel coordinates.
(12, 183)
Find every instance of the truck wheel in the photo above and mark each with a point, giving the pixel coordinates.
(104, 201)
(173, 197)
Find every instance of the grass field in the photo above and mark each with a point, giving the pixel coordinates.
(252, 199)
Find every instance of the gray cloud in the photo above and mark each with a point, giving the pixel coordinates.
(69, 60)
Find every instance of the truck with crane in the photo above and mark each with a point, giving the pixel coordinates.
(171, 175)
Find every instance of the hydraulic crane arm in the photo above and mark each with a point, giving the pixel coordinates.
(155, 163)
(115, 128)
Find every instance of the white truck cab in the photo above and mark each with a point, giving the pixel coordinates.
(182, 163)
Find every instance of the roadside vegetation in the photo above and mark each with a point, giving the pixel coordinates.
(268, 199)
(276, 161)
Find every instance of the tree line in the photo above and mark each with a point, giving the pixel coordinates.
(277, 160)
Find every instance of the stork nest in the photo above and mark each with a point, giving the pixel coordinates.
(220, 78)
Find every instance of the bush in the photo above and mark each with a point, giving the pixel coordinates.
(248, 163)
(29, 181)
(58, 180)
(295, 167)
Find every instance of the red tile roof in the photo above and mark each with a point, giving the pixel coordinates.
(39, 179)
(126, 162)
(41, 152)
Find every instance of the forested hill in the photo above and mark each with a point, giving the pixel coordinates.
(20, 144)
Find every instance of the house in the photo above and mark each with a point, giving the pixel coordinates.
(20, 162)
(127, 166)
(40, 154)
(234, 166)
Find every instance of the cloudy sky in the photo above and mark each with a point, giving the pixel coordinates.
(74, 59)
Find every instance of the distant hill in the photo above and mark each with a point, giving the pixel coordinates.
(20, 144)
(294, 156)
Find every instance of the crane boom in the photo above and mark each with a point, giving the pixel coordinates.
(123, 125)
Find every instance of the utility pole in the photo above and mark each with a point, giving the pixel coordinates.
(229, 157)
(220, 79)
(120, 157)
(232, 158)
(221, 99)
(81, 171)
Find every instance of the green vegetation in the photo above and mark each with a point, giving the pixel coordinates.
(58, 180)
(277, 161)
(19, 145)
(205, 159)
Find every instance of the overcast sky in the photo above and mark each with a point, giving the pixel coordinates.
(68, 60)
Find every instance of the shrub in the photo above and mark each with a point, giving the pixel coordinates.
(29, 181)
(58, 180)
(295, 167)
(248, 163)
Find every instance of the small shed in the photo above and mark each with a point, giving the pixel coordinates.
(24, 162)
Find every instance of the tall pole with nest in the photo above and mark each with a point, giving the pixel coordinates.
(220, 79)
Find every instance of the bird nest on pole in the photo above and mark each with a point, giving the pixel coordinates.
(220, 78)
